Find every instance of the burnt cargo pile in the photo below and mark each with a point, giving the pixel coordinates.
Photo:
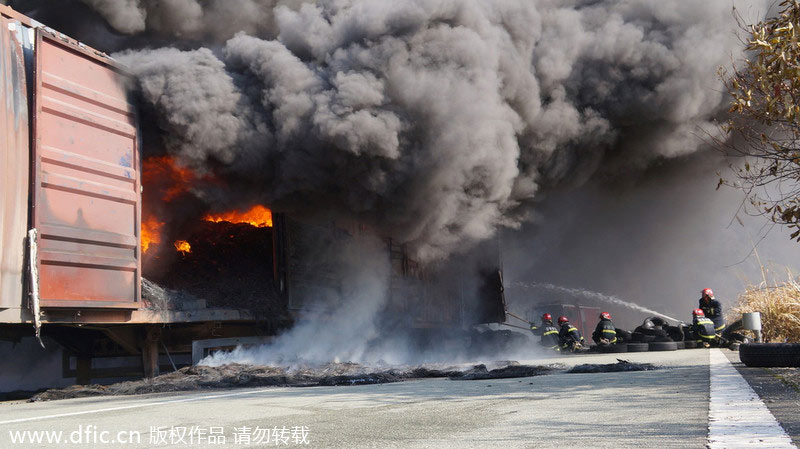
(333, 374)
(228, 265)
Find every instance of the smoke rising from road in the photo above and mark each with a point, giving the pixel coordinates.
(436, 122)
(357, 324)
(339, 328)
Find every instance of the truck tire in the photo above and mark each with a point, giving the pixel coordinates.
(770, 354)
(663, 346)
(690, 344)
(638, 347)
(614, 349)
(681, 344)
(623, 335)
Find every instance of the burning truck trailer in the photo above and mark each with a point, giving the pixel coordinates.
(288, 270)
(71, 208)
(78, 242)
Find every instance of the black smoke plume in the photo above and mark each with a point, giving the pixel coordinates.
(434, 121)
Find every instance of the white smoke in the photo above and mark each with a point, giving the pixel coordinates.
(360, 325)
(342, 329)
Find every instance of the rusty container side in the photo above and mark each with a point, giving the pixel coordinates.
(86, 179)
(14, 163)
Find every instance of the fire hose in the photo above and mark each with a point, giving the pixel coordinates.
(518, 317)
(514, 325)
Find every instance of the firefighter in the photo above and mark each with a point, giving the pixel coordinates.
(712, 309)
(703, 329)
(605, 333)
(547, 332)
(571, 339)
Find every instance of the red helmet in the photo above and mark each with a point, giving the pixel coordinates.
(562, 320)
(547, 317)
(605, 316)
(698, 312)
(708, 292)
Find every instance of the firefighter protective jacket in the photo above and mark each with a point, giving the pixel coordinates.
(549, 335)
(569, 334)
(703, 328)
(713, 311)
(605, 329)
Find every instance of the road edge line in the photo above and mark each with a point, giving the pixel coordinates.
(737, 417)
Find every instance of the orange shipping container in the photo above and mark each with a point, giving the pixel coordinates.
(75, 178)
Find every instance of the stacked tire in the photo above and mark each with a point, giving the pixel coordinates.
(645, 347)
(638, 347)
(614, 349)
(663, 346)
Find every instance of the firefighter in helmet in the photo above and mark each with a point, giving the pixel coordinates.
(712, 309)
(570, 337)
(605, 333)
(703, 329)
(548, 332)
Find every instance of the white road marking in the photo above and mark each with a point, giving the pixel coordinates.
(126, 407)
(737, 418)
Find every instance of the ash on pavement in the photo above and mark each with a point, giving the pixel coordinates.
(333, 374)
(620, 366)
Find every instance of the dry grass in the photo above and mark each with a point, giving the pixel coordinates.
(779, 305)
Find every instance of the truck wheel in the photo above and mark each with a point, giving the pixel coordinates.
(663, 346)
(770, 354)
(638, 347)
(690, 344)
(681, 344)
(614, 349)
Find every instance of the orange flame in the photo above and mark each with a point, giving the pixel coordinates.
(166, 175)
(183, 246)
(151, 232)
(258, 216)
(163, 178)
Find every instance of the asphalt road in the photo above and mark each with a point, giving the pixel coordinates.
(665, 408)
